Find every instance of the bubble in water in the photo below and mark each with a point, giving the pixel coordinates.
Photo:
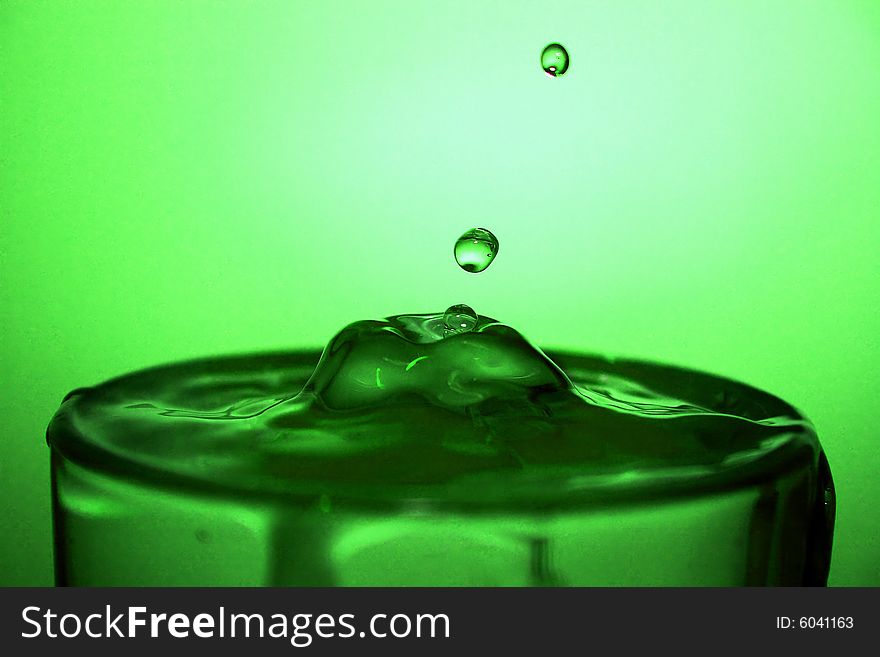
(459, 318)
(554, 60)
(475, 250)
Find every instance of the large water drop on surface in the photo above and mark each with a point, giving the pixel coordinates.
(475, 250)
(460, 318)
(554, 60)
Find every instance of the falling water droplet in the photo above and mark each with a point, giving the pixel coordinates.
(459, 318)
(475, 250)
(554, 60)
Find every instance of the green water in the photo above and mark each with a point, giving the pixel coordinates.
(422, 451)
(475, 250)
(554, 60)
(460, 318)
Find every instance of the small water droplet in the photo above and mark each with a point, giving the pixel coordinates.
(203, 536)
(554, 60)
(475, 250)
(460, 318)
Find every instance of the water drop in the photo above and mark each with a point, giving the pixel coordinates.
(475, 250)
(460, 318)
(554, 60)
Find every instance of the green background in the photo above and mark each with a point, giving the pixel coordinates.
(180, 179)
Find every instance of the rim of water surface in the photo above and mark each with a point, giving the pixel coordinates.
(695, 386)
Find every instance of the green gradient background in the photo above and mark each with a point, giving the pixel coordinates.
(191, 178)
